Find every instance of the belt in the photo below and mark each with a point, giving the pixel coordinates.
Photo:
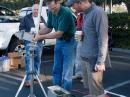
(66, 38)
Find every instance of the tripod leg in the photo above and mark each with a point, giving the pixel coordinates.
(43, 90)
(20, 88)
(31, 87)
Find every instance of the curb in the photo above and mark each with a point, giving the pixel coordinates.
(121, 50)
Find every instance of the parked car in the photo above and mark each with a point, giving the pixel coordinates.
(24, 11)
(9, 23)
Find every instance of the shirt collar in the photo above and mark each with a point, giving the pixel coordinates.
(60, 10)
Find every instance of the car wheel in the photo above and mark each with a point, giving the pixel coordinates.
(13, 44)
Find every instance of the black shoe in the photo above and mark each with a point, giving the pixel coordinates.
(35, 79)
(27, 84)
(75, 77)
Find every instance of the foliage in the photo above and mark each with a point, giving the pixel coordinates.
(16, 4)
(118, 26)
(127, 2)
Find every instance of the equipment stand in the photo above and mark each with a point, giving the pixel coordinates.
(32, 74)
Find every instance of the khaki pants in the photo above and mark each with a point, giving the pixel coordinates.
(92, 79)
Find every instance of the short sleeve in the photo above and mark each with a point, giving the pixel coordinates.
(65, 22)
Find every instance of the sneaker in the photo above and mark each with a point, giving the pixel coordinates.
(35, 79)
(82, 81)
(75, 77)
(27, 84)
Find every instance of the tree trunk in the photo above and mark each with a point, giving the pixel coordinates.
(128, 7)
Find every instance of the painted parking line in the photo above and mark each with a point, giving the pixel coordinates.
(120, 56)
(119, 95)
(18, 78)
(118, 85)
(10, 76)
(121, 63)
(107, 90)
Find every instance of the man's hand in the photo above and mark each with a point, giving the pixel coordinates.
(99, 67)
(38, 37)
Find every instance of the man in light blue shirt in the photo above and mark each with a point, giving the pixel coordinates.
(94, 45)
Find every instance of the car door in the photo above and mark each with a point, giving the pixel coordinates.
(9, 24)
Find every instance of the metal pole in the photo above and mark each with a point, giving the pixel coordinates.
(105, 3)
(111, 7)
(39, 14)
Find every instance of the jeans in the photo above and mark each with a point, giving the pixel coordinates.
(64, 56)
(78, 71)
(36, 60)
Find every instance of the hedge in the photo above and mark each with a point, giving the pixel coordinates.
(119, 26)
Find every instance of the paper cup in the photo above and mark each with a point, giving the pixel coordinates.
(78, 35)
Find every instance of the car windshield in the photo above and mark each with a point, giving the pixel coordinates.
(6, 12)
(24, 13)
(7, 16)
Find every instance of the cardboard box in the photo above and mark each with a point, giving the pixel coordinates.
(14, 55)
(16, 60)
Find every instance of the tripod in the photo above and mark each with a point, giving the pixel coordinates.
(32, 74)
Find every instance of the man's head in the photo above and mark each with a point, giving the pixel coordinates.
(79, 5)
(53, 5)
(35, 10)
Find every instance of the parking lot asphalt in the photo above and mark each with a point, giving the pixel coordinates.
(116, 80)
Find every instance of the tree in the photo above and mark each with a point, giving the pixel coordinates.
(127, 2)
(16, 4)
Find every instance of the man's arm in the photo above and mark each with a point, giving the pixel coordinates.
(53, 35)
(102, 34)
(22, 24)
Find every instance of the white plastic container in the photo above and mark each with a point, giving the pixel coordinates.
(57, 91)
(4, 64)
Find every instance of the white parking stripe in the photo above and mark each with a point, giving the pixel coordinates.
(107, 90)
(118, 85)
(115, 94)
(8, 81)
(121, 63)
(9, 76)
(120, 56)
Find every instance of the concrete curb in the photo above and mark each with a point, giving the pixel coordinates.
(121, 50)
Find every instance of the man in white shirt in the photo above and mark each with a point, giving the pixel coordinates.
(29, 23)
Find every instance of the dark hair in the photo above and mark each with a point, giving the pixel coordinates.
(90, 1)
(48, 1)
(87, 0)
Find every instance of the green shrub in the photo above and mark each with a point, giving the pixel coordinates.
(119, 25)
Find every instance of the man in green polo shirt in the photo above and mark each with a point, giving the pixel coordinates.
(61, 19)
